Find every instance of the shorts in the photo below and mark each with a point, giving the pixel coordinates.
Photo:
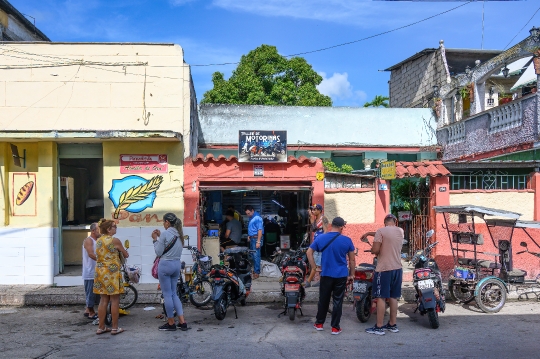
(387, 284)
(317, 257)
(91, 298)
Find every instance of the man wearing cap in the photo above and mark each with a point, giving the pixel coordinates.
(319, 225)
(335, 248)
(388, 273)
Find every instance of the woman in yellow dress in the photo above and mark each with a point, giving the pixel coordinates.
(108, 277)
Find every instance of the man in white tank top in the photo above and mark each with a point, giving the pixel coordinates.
(89, 269)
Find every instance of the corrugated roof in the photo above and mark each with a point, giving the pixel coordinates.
(208, 157)
(421, 169)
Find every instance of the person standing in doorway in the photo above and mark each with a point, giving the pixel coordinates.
(335, 249)
(89, 270)
(255, 238)
(233, 231)
(319, 225)
(388, 273)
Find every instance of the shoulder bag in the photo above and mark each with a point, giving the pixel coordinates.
(156, 261)
(329, 243)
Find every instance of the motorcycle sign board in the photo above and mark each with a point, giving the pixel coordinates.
(262, 146)
(388, 170)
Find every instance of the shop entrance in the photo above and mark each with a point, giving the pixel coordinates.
(80, 204)
(284, 211)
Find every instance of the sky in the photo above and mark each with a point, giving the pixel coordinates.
(218, 31)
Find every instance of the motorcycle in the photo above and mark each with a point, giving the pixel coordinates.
(231, 283)
(362, 287)
(427, 280)
(293, 269)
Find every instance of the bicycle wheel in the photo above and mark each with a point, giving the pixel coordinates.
(201, 294)
(129, 298)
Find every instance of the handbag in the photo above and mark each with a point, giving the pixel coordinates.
(156, 261)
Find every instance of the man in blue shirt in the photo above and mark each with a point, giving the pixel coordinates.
(255, 237)
(335, 249)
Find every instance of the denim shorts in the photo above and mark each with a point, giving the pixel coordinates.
(387, 284)
(91, 298)
(317, 257)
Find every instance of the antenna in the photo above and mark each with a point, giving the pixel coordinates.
(16, 157)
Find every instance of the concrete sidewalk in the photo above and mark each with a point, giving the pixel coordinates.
(263, 290)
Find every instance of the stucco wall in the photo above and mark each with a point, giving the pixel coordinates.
(353, 207)
(118, 87)
(520, 202)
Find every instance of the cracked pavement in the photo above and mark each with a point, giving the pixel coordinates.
(465, 332)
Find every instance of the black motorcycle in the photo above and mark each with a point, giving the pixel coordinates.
(231, 283)
(427, 280)
(294, 270)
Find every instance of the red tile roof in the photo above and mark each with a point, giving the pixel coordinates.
(421, 169)
(201, 157)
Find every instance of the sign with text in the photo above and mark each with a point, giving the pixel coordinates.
(143, 164)
(388, 170)
(262, 146)
(258, 170)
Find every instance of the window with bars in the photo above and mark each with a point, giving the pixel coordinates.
(488, 180)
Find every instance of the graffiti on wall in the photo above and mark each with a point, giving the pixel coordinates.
(137, 217)
(24, 194)
(134, 193)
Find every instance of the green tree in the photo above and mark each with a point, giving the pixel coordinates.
(378, 101)
(264, 77)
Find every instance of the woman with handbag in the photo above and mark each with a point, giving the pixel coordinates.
(108, 276)
(168, 245)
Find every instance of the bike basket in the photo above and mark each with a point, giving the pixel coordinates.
(134, 274)
(205, 264)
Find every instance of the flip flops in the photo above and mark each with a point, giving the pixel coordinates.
(93, 317)
(103, 331)
(117, 331)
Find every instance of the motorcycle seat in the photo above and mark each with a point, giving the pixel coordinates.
(366, 266)
(487, 264)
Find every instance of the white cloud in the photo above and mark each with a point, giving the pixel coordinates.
(340, 90)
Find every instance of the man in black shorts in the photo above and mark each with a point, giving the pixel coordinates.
(388, 274)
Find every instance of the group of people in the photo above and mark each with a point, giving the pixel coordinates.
(331, 252)
(334, 254)
(103, 255)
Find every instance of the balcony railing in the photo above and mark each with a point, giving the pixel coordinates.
(456, 132)
(506, 117)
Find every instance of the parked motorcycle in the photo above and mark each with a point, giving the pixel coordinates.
(362, 286)
(294, 270)
(427, 280)
(231, 283)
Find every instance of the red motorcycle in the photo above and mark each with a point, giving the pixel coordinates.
(293, 269)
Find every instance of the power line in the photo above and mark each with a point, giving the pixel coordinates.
(355, 41)
(527, 23)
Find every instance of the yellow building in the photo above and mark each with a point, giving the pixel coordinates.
(81, 125)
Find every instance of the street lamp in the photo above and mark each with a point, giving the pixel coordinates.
(505, 71)
(535, 33)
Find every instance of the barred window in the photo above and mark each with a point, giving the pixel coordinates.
(488, 180)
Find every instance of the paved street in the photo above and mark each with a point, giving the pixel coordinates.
(45, 332)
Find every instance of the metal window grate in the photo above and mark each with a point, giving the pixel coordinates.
(488, 180)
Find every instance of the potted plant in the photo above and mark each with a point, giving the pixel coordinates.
(504, 98)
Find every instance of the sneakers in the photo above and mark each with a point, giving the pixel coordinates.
(392, 328)
(308, 284)
(336, 331)
(183, 327)
(375, 330)
(318, 326)
(167, 327)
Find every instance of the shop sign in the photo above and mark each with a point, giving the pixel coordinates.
(388, 170)
(262, 146)
(258, 170)
(383, 187)
(143, 164)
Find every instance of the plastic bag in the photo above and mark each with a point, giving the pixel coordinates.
(269, 270)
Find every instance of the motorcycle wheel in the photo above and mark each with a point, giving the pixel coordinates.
(491, 296)
(129, 298)
(292, 313)
(202, 294)
(363, 309)
(108, 315)
(220, 307)
(433, 318)
(458, 293)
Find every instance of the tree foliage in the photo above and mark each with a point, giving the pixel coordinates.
(264, 77)
(378, 101)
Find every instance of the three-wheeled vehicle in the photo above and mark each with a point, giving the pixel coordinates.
(483, 276)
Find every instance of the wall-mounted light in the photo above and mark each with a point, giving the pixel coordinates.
(491, 91)
(435, 91)
(505, 71)
(535, 33)
(467, 70)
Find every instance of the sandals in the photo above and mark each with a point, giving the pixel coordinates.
(95, 316)
(103, 331)
(117, 331)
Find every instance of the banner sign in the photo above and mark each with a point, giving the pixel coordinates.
(262, 146)
(388, 170)
(143, 164)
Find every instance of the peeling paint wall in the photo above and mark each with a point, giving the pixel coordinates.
(520, 202)
(353, 207)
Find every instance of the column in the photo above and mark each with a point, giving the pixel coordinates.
(535, 185)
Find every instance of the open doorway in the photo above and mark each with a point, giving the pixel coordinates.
(284, 211)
